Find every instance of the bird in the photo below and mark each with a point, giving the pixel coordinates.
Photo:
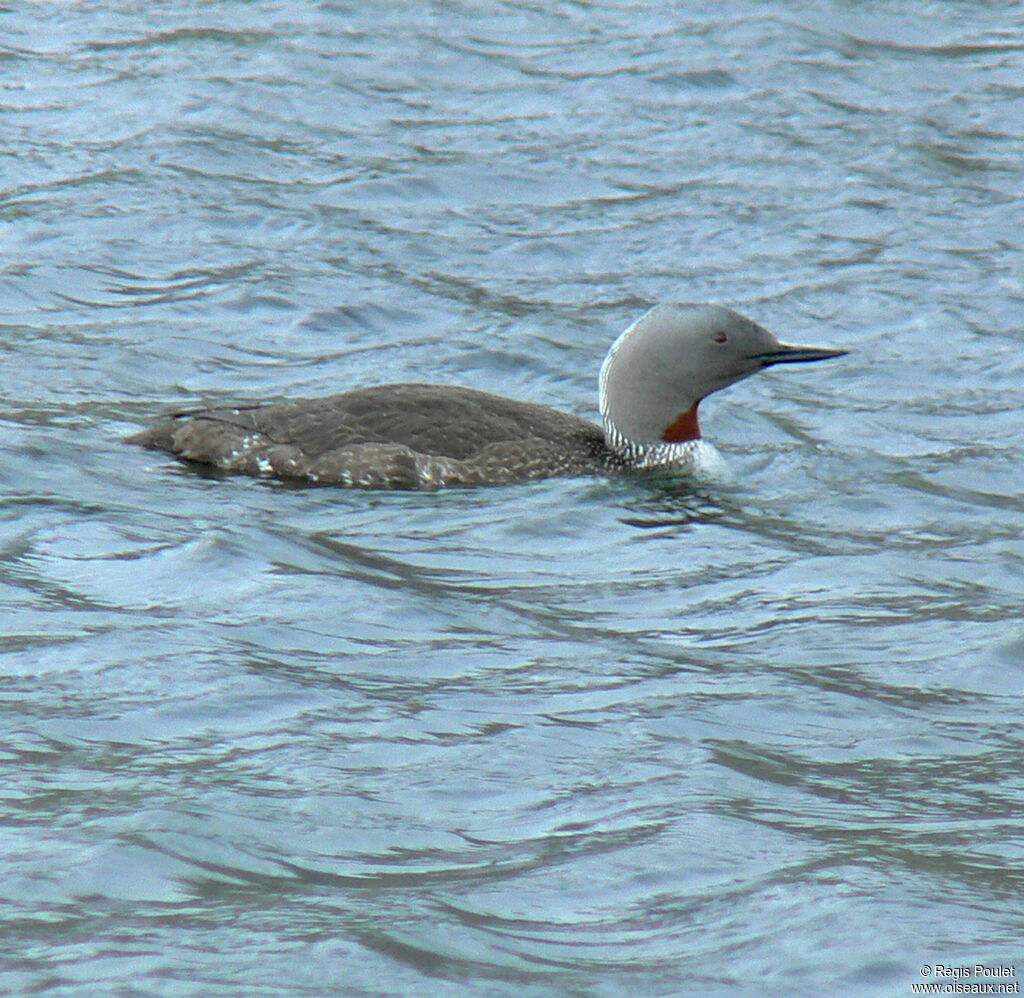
(428, 436)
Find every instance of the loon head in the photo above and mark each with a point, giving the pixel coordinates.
(657, 372)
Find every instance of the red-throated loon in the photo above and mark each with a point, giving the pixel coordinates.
(409, 436)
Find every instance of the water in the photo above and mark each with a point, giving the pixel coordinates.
(572, 738)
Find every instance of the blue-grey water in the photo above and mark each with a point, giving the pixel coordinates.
(578, 737)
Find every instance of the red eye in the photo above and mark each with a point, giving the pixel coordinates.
(720, 337)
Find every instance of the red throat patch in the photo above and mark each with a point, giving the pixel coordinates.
(684, 427)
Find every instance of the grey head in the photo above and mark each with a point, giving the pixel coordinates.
(659, 369)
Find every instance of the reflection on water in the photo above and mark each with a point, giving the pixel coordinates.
(629, 736)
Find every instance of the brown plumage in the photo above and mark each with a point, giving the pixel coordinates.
(389, 436)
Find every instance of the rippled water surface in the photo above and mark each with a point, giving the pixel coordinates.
(579, 737)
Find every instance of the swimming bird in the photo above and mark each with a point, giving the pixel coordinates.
(420, 436)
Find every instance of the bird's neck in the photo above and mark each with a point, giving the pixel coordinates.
(680, 442)
(683, 428)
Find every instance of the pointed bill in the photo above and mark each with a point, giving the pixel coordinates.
(787, 353)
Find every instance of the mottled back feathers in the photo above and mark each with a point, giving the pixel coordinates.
(388, 436)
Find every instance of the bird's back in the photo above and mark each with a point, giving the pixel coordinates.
(392, 436)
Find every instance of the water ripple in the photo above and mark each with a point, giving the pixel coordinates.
(580, 737)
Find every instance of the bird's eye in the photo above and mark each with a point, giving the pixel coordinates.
(720, 337)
